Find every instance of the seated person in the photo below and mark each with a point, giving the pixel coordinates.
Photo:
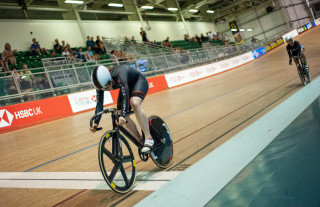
(89, 42)
(4, 64)
(57, 47)
(96, 49)
(100, 44)
(81, 55)
(36, 49)
(93, 56)
(133, 41)
(26, 78)
(113, 56)
(126, 40)
(8, 54)
(167, 42)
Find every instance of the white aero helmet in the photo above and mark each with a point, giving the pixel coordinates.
(289, 39)
(101, 77)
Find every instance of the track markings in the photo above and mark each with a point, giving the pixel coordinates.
(80, 180)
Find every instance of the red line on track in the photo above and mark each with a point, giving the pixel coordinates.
(74, 195)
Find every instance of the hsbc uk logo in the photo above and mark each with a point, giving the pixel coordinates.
(5, 118)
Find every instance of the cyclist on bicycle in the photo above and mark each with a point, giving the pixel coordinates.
(294, 48)
(133, 89)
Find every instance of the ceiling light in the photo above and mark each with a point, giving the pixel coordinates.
(242, 30)
(147, 7)
(249, 30)
(115, 5)
(234, 30)
(193, 10)
(172, 9)
(73, 2)
(210, 11)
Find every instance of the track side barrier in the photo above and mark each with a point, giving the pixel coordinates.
(35, 112)
(32, 113)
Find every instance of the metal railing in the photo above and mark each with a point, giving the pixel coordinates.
(60, 79)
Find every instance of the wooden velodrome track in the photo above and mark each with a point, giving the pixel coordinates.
(201, 116)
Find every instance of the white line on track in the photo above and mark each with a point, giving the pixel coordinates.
(79, 180)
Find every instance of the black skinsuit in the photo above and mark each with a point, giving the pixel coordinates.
(131, 83)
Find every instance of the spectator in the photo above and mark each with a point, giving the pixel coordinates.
(64, 45)
(68, 55)
(4, 64)
(143, 35)
(100, 44)
(217, 36)
(53, 54)
(210, 35)
(65, 52)
(93, 56)
(133, 41)
(79, 54)
(57, 47)
(95, 48)
(167, 42)
(225, 39)
(89, 43)
(8, 54)
(28, 81)
(199, 40)
(203, 38)
(36, 49)
(26, 78)
(113, 56)
(126, 40)
(187, 38)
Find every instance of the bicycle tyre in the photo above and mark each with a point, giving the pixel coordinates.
(307, 75)
(162, 155)
(302, 76)
(107, 159)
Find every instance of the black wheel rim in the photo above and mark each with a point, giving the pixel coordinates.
(162, 155)
(118, 172)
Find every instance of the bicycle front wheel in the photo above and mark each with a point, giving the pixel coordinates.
(118, 170)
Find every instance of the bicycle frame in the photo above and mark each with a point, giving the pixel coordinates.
(116, 148)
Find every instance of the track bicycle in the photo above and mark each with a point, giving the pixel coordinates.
(302, 71)
(116, 160)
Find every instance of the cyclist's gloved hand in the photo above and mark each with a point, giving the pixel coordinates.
(122, 121)
(93, 129)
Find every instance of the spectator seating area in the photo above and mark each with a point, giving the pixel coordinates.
(34, 61)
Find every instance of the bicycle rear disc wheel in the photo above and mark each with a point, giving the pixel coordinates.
(307, 75)
(118, 171)
(162, 155)
(302, 76)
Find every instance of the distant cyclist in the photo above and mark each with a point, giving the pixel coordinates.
(294, 48)
(133, 89)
